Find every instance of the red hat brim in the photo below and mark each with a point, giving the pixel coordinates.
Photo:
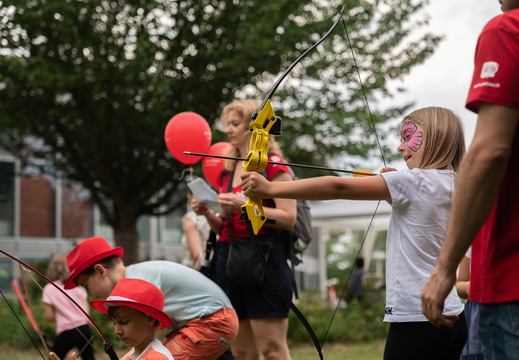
(162, 317)
(70, 284)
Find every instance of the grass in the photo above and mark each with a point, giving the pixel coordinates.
(33, 354)
(363, 351)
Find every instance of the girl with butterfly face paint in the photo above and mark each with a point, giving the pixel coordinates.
(432, 144)
(411, 144)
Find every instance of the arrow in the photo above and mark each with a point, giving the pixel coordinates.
(357, 172)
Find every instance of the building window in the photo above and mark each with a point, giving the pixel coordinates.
(37, 206)
(6, 199)
(76, 213)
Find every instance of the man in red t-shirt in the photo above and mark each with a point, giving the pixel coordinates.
(486, 205)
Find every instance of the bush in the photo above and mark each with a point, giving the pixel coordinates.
(355, 322)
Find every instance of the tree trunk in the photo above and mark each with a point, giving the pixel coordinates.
(127, 237)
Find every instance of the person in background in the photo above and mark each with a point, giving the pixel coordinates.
(357, 281)
(196, 232)
(72, 326)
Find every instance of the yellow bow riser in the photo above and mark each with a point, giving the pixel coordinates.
(257, 160)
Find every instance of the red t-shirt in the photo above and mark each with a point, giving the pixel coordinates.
(495, 252)
(238, 226)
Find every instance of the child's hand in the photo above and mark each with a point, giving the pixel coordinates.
(53, 356)
(254, 184)
(387, 169)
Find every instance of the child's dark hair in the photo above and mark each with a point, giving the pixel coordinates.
(112, 314)
(108, 263)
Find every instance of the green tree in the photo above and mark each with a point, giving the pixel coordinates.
(89, 85)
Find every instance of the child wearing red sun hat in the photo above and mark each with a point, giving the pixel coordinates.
(205, 323)
(136, 308)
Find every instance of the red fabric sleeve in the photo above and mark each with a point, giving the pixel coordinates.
(496, 73)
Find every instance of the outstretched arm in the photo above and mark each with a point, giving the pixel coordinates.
(480, 175)
(319, 188)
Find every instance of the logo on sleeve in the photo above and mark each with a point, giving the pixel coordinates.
(388, 310)
(489, 69)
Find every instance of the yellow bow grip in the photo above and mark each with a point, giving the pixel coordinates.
(256, 160)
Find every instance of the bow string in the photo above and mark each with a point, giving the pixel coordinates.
(385, 165)
(264, 123)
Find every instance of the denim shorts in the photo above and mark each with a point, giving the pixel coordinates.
(499, 330)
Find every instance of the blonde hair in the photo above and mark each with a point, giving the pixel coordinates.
(443, 137)
(245, 108)
(58, 268)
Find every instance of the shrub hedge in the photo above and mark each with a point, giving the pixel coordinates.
(352, 323)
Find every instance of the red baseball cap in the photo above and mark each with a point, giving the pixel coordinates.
(87, 253)
(139, 295)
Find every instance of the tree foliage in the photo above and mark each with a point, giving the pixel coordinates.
(89, 85)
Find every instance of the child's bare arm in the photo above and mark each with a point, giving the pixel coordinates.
(319, 188)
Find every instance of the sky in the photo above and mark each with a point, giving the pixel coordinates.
(444, 79)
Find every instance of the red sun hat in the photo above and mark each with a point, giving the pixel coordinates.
(87, 253)
(139, 295)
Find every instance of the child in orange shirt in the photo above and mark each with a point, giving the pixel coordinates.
(135, 306)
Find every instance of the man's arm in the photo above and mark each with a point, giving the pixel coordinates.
(480, 175)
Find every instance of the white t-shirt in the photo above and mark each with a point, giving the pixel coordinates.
(421, 204)
(188, 293)
(154, 351)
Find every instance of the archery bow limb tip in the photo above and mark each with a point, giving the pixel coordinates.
(53, 356)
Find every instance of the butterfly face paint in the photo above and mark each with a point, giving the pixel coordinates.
(411, 136)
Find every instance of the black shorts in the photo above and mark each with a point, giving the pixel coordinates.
(424, 341)
(264, 301)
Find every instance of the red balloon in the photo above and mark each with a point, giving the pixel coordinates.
(212, 167)
(187, 131)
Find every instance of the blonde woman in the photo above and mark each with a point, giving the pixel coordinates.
(262, 312)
